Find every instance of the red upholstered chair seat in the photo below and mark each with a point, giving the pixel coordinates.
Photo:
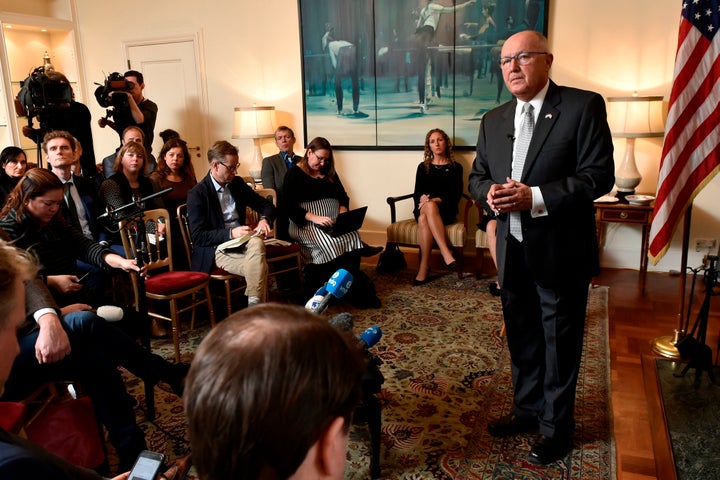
(172, 282)
(12, 416)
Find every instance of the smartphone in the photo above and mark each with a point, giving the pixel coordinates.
(147, 466)
(83, 278)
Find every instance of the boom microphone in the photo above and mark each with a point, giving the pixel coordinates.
(342, 322)
(337, 286)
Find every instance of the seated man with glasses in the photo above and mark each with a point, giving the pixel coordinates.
(216, 213)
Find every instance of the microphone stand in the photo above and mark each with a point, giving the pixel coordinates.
(135, 218)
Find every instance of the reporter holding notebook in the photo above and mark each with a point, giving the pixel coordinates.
(314, 196)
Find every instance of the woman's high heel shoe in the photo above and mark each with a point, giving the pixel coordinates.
(417, 283)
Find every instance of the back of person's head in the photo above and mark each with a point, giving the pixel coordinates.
(132, 147)
(219, 149)
(167, 134)
(328, 168)
(15, 264)
(35, 183)
(58, 134)
(264, 386)
(9, 154)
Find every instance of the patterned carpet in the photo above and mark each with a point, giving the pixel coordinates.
(447, 373)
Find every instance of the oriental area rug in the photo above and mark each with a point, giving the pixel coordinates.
(447, 373)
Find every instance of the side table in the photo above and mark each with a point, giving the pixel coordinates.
(623, 212)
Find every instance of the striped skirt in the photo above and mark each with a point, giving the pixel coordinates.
(317, 246)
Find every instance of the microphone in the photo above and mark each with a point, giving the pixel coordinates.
(370, 337)
(342, 322)
(511, 137)
(337, 286)
(316, 298)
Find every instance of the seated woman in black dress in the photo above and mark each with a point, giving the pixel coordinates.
(438, 188)
(314, 196)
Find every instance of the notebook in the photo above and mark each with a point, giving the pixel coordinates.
(346, 222)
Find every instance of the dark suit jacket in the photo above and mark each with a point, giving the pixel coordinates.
(273, 171)
(205, 217)
(90, 202)
(570, 158)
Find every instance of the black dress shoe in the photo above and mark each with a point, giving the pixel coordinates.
(512, 424)
(494, 289)
(547, 450)
(370, 251)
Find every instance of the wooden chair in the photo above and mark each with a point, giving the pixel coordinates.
(163, 282)
(481, 245)
(280, 258)
(404, 233)
(231, 283)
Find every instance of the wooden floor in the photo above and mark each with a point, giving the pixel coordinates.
(635, 320)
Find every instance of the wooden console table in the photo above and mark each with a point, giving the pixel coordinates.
(621, 212)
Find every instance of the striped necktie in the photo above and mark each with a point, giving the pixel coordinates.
(527, 125)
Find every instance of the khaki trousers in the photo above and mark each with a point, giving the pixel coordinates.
(249, 263)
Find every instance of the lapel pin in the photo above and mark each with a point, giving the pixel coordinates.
(549, 115)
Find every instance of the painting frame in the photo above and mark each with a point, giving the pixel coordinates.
(378, 74)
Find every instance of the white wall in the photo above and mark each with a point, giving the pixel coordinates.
(613, 47)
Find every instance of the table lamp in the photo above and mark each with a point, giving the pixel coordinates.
(630, 118)
(255, 123)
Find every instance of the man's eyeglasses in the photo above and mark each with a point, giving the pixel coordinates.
(233, 168)
(522, 58)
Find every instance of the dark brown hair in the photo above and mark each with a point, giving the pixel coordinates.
(328, 168)
(263, 387)
(187, 170)
(35, 183)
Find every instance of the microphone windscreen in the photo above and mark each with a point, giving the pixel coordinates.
(342, 322)
(371, 336)
(110, 313)
(339, 283)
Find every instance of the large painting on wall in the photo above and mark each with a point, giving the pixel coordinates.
(381, 73)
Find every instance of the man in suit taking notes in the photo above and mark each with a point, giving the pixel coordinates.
(541, 160)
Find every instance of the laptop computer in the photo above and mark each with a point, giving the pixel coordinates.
(346, 222)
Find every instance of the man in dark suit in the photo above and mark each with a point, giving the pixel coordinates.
(539, 167)
(216, 210)
(276, 166)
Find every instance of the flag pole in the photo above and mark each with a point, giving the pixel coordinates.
(665, 346)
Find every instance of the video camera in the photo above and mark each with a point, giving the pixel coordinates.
(43, 90)
(115, 82)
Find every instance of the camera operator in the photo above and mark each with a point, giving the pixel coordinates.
(139, 111)
(74, 118)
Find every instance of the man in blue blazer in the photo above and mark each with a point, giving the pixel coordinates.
(546, 240)
(216, 210)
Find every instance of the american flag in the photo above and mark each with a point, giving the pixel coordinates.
(691, 149)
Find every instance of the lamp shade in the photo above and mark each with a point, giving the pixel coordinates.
(254, 122)
(636, 116)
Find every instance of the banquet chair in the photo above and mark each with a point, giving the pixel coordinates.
(231, 283)
(404, 233)
(163, 282)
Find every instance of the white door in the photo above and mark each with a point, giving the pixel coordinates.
(173, 80)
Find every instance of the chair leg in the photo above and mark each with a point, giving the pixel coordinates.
(228, 298)
(211, 310)
(460, 261)
(175, 328)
